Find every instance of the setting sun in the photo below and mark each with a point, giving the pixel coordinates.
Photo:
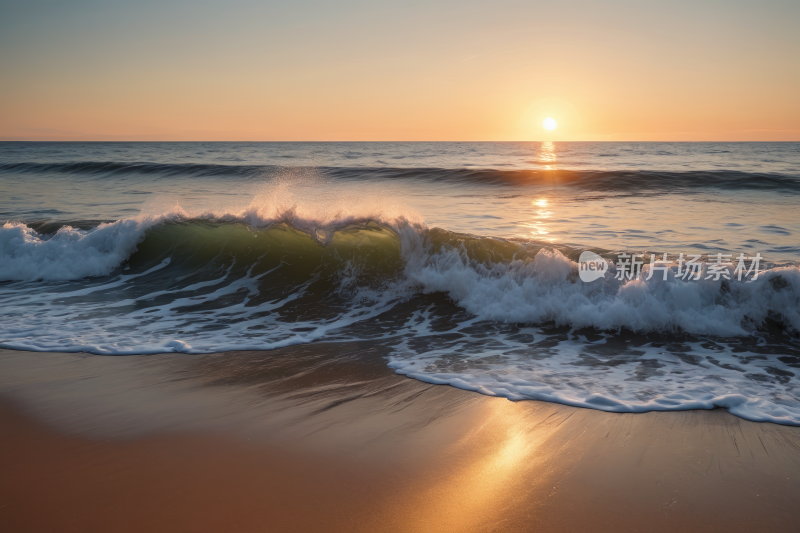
(550, 124)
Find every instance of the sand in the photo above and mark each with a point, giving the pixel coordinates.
(325, 438)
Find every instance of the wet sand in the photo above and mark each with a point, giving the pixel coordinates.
(326, 438)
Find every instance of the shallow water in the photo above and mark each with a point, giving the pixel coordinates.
(460, 257)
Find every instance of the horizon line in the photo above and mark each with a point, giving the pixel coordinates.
(366, 141)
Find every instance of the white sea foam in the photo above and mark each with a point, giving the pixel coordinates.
(547, 288)
(69, 254)
(564, 378)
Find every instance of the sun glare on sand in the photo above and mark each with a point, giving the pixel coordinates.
(550, 124)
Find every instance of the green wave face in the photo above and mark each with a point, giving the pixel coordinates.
(277, 262)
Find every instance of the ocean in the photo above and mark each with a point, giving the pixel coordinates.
(454, 263)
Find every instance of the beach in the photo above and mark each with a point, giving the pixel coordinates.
(325, 437)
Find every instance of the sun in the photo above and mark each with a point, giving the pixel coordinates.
(550, 124)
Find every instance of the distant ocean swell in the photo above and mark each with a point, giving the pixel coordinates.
(617, 180)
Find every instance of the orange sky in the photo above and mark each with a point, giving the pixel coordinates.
(244, 70)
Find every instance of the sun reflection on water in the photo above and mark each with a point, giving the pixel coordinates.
(547, 155)
(539, 227)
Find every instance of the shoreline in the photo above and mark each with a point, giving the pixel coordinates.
(326, 437)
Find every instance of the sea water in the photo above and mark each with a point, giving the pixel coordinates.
(461, 259)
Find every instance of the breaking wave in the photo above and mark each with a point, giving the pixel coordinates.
(493, 279)
(497, 316)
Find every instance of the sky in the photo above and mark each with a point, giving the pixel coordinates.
(374, 70)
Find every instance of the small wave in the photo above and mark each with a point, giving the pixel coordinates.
(122, 168)
(618, 180)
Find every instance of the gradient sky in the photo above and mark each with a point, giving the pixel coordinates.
(410, 70)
